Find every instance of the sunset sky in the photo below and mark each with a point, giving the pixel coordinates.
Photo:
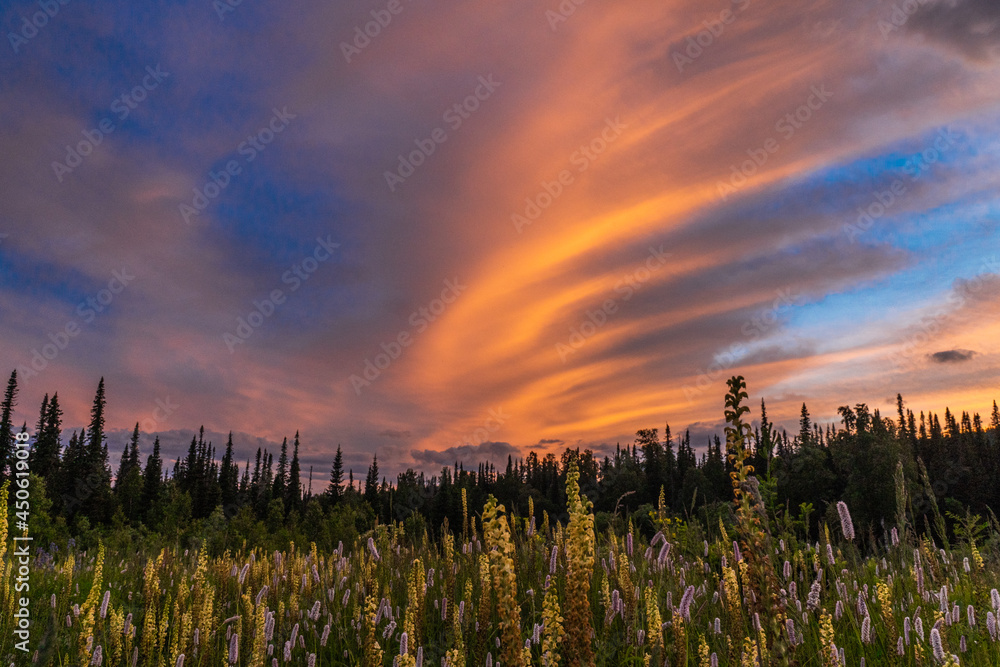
(557, 223)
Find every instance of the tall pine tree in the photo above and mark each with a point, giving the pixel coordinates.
(229, 476)
(45, 454)
(129, 482)
(293, 492)
(7, 425)
(281, 478)
(371, 486)
(805, 427)
(152, 478)
(95, 501)
(334, 491)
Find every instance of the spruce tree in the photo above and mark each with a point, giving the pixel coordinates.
(229, 476)
(371, 485)
(281, 478)
(336, 477)
(152, 477)
(96, 503)
(45, 455)
(902, 416)
(766, 435)
(6, 424)
(805, 427)
(293, 492)
(129, 483)
(40, 426)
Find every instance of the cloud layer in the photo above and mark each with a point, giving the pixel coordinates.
(486, 229)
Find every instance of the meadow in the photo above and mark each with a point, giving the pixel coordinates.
(503, 589)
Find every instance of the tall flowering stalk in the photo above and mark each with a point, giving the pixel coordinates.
(759, 574)
(501, 558)
(846, 524)
(654, 635)
(884, 595)
(580, 557)
(680, 639)
(3, 522)
(372, 649)
(552, 629)
(456, 654)
(89, 609)
(830, 656)
(413, 624)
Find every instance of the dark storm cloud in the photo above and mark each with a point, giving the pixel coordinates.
(951, 356)
(971, 27)
(493, 452)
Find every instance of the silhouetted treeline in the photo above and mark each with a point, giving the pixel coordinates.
(802, 476)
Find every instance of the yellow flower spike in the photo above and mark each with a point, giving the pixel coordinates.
(116, 624)
(830, 657)
(704, 658)
(884, 596)
(414, 604)
(4, 495)
(88, 611)
(680, 639)
(465, 516)
(552, 629)
(456, 654)
(977, 557)
(654, 622)
(373, 655)
(500, 550)
(580, 557)
(161, 640)
(257, 652)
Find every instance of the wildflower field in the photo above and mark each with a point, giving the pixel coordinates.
(502, 589)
